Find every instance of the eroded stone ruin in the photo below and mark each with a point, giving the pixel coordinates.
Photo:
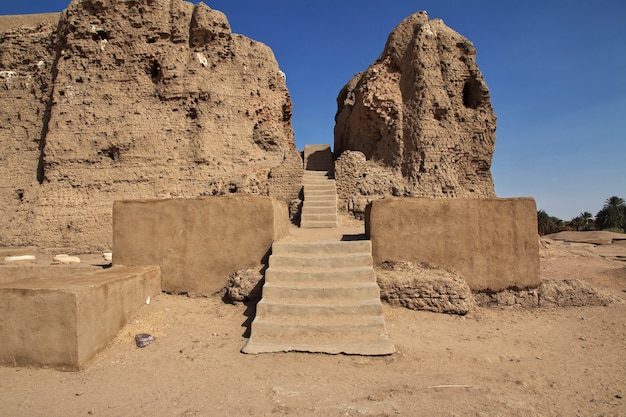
(146, 100)
(134, 100)
(417, 123)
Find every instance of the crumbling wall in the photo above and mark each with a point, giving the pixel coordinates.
(491, 243)
(420, 118)
(25, 83)
(131, 100)
(198, 242)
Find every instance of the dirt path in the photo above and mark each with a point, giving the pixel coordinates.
(492, 362)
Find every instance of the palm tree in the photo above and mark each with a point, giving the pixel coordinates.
(547, 224)
(582, 221)
(587, 218)
(612, 214)
(578, 222)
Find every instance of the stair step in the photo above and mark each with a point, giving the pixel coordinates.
(319, 210)
(316, 201)
(307, 180)
(318, 225)
(327, 307)
(322, 247)
(299, 277)
(315, 217)
(323, 211)
(356, 292)
(321, 203)
(319, 194)
(345, 261)
(326, 185)
(319, 325)
(321, 343)
(317, 174)
(316, 179)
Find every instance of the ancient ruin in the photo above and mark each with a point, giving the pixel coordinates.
(417, 123)
(129, 100)
(148, 128)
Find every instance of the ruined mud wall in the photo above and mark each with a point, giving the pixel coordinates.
(131, 100)
(25, 82)
(204, 241)
(490, 243)
(417, 122)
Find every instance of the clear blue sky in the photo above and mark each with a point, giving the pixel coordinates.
(556, 71)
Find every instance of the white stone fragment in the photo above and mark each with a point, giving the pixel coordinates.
(202, 59)
(66, 259)
(428, 30)
(7, 76)
(108, 256)
(19, 258)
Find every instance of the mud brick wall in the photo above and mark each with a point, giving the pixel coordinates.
(492, 243)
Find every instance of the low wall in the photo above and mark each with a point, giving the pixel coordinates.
(491, 243)
(197, 242)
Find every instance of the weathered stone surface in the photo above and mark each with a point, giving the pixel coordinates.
(133, 100)
(551, 293)
(424, 287)
(245, 284)
(62, 316)
(197, 242)
(10, 22)
(573, 293)
(491, 243)
(420, 118)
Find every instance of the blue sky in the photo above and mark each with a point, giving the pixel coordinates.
(556, 71)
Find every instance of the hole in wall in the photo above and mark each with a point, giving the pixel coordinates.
(99, 35)
(440, 113)
(156, 71)
(192, 113)
(112, 152)
(472, 94)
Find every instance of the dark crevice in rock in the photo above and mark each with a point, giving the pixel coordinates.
(156, 72)
(472, 94)
(59, 44)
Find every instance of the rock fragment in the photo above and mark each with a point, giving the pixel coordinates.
(144, 339)
(65, 259)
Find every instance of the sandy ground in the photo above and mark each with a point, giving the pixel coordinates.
(492, 362)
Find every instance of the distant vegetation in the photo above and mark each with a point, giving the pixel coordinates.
(611, 217)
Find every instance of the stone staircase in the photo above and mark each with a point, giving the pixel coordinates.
(320, 297)
(319, 209)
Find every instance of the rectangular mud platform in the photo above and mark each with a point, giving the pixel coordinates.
(61, 317)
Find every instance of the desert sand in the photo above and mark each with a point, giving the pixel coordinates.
(491, 362)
